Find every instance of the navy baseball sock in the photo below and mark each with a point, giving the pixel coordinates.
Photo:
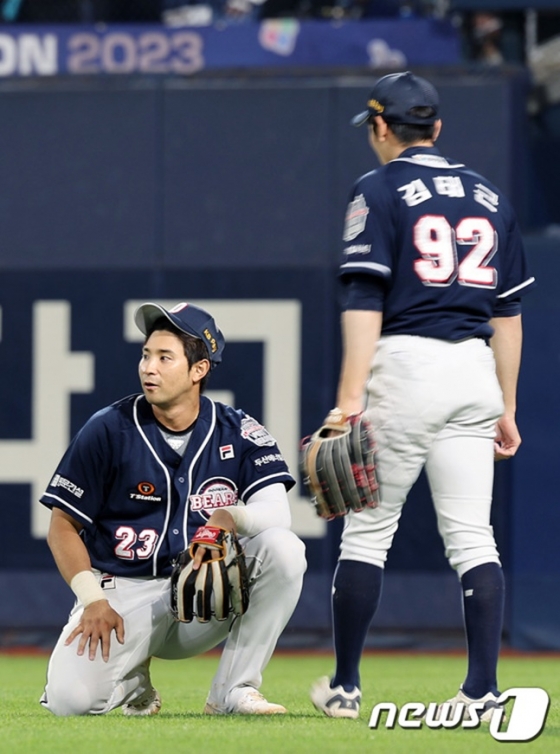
(356, 593)
(483, 606)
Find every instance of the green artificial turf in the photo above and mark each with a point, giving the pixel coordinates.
(27, 728)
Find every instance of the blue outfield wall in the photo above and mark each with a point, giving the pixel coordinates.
(231, 192)
(535, 506)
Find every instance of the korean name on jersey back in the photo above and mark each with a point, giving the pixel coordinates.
(443, 238)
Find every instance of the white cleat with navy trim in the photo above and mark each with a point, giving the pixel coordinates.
(335, 702)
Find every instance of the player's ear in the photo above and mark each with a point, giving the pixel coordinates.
(437, 130)
(381, 128)
(199, 370)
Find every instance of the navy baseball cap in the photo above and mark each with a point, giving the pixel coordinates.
(189, 319)
(395, 95)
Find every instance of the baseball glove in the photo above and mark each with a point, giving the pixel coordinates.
(219, 587)
(338, 465)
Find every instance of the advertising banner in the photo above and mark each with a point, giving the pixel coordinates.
(278, 43)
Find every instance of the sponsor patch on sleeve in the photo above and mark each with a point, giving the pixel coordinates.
(358, 248)
(356, 217)
(254, 432)
(269, 458)
(60, 481)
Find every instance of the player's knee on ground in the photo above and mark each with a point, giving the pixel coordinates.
(65, 699)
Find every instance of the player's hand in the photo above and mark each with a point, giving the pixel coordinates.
(219, 518)
(507, 439)
(337, 416)
(97, 622)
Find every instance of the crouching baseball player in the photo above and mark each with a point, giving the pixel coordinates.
(171, 524)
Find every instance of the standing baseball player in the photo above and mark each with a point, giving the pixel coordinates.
(142, 479)
(432, 279)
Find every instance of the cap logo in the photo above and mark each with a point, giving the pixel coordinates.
(211, 340)
(374, 104)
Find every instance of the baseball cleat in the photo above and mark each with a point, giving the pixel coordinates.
(485, 715)
(148, 703)
(252, 702)
(335, 702)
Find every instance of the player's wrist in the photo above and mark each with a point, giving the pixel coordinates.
(86, 588)
(222, 519)
(237, 515)
(349, 407)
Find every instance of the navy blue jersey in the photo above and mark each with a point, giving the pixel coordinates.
(444, 241)
(138, 500)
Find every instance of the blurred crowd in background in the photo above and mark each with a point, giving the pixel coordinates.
(177, 12)
(523, 35)
(489, 37)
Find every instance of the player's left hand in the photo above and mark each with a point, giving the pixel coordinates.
(337, 464)
(507, 439)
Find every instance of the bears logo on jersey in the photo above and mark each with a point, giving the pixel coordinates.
(214, 493)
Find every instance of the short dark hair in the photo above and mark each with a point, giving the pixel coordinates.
(409, 133)
(194, 348)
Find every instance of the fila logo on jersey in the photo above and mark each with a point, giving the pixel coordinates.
(107, 581)
(226, 451)
(145, 491)
(217, 492)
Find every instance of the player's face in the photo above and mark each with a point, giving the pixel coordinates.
(165, 374)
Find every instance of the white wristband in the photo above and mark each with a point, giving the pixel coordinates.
(85, 587)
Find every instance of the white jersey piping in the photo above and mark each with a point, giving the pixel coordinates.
(168, 482)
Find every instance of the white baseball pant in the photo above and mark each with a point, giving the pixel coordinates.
(433, 404)
(79, 686)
